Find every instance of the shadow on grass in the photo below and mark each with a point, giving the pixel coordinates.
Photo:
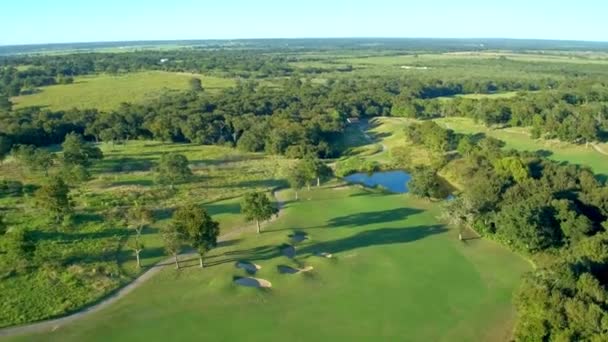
(383, 216)
(383, 236)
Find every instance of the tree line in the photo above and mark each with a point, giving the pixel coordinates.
(535, 206)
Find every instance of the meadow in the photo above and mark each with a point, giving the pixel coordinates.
(377, 241)
(106, 92)
(92, 257)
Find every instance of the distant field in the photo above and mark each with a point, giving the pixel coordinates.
(106, 92)
(505, 95)
(519, 139)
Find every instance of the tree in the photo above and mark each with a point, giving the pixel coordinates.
(256, 206)
(6, 144)
(195, 84)
(2, 225)
(172, 240)
(5, 103)
(297, 178)
(76, 151)
(425, 183)
(315, 169)
(198, 228)
(54, 196)
(172, 168)
(34, 159)
(138, 217)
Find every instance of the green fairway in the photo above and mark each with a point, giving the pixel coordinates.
(106, 92)
(395, 274)
(519, 139)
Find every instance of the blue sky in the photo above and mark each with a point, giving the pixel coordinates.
(46, 21)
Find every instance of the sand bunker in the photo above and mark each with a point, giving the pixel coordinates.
(253, 282)
(298, 237)
(284, 269)
(324, 255)
(248, 266)
(289, 251)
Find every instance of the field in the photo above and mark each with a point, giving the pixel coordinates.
(394, 272)
(519, 139)
(106, 92)
(98, 259)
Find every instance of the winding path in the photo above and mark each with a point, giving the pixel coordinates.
(56, 323)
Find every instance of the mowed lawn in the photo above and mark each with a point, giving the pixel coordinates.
(106, 92)
(518, 138)
(395, 275)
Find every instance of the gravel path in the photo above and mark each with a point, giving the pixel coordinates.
(54, 324)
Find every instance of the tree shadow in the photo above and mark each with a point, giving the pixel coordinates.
(365, 218)
(223, 208)
(383, 236)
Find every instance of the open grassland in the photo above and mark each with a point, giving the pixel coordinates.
(106, 92)
(90, 257)
(519, 138)
(395, 274)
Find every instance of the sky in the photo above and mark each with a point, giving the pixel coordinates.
(60, 21)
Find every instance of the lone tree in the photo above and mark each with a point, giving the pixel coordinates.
(297, 178)
(54, 197)
(6, 144)
(172, 168)
(76, 151)
(196, 85)
(256, 206)
(198, 228)
(2, 225)
(172, 240)
(138, 217)
(315, 169)
(34, 159)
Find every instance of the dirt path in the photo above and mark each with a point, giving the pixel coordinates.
(54, 324)
(599, 149)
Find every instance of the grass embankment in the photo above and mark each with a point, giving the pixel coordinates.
(395, 273)
(106, 92)
(518, 138)
(75, 265)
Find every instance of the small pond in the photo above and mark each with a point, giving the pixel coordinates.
(393, 181)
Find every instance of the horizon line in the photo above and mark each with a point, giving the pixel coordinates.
(298, 38)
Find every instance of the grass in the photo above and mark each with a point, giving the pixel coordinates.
(106, 92)
(396, 273)
(76, 265)
(518, 138)
(505, 95)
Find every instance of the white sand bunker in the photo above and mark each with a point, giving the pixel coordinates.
(324, 255)
(248, 266)
(289, 251)
(284, 269)
(253, 282)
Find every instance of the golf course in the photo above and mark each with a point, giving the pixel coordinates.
(391, 242)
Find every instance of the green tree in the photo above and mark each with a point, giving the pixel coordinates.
(172, 240)
(297, 177)
(315, 169)
(198, 228)
(425, 183)
(54, 196)
(195, 84)
(76, 151)
(172, 168)
(3, 227)
(34, 159)
(6, 145)
(256, 206)
(138, 217)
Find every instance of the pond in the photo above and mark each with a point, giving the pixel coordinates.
(393, 181)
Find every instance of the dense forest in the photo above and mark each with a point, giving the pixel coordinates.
(535, 206)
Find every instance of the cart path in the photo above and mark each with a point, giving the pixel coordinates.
(56, 323)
